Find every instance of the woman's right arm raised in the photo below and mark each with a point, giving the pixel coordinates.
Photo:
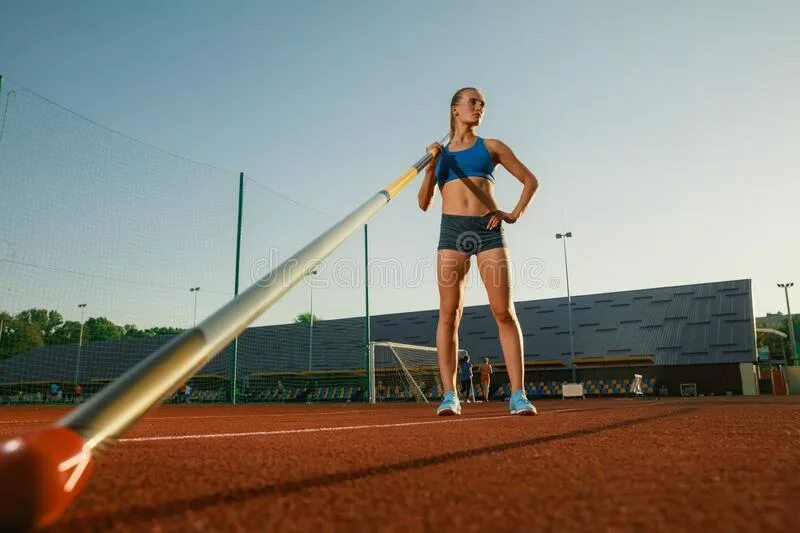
(428, 188)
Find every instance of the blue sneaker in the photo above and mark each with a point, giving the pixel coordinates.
(450, 405)
(520, 404)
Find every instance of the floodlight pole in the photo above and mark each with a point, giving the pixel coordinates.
(311, 328)
(367, 363)
(195, 290)
(235, 345)
(792, 342)
(80, 342)
(564, 237)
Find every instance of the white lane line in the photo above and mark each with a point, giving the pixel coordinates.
(310, 430)
(178, 417)
(255, 415)
(343, 428)
(637, 403)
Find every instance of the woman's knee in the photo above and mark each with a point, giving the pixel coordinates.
(450, 317)
(505, 315)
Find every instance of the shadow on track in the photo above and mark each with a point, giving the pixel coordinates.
(103, 521)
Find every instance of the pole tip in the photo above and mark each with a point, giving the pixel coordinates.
(40, 475)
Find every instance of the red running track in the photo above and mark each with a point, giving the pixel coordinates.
(721, 464)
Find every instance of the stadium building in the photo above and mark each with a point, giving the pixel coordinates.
(702, 334)
(681, 339)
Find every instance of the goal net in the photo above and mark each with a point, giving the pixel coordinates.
(404, 372)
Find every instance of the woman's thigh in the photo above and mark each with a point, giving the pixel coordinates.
(495, 270)
(452, 268)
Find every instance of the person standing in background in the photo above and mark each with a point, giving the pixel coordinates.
(466, 379)
(486, 378)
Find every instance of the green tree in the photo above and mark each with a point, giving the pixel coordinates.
(305, 318)
(67, 333)
(19, 337)
(153, 332)
(101, 329)
(39, 327)
(27, 330)
(130, 331)
(47, 322)
(6, 330)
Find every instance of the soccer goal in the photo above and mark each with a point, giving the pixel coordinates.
(399, 371)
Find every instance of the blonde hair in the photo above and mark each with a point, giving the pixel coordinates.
(454, 101)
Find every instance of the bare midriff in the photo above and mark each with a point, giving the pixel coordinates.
(471, 196)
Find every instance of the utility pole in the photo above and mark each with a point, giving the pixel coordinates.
(80, 342)
(564, 237)
(311, 327)
(195, 290)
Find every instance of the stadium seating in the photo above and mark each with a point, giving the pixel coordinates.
(592, 387)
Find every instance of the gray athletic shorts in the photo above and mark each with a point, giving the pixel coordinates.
(468, 234)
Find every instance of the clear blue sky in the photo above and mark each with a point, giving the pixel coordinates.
(664, 135)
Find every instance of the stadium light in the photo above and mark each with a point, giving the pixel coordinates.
(564, 237)
(311, 326)
(82, 307)
(195, 290)
(792, 342)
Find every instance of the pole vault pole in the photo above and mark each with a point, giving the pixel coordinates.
(40, 474)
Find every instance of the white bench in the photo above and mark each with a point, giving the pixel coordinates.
(572, 390)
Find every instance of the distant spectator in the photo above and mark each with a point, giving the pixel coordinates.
(181, 393)
(55, 392)
(380, 391)
(466, 379)
(357, 396)
(78, 394)
(306, 395)
(188, 392)
(279, 390)
(486, 378)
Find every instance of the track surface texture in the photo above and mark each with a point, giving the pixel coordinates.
(706, 464)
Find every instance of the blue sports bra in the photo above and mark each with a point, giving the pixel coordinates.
(474, 161)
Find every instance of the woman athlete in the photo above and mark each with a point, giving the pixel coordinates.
(472, 225)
